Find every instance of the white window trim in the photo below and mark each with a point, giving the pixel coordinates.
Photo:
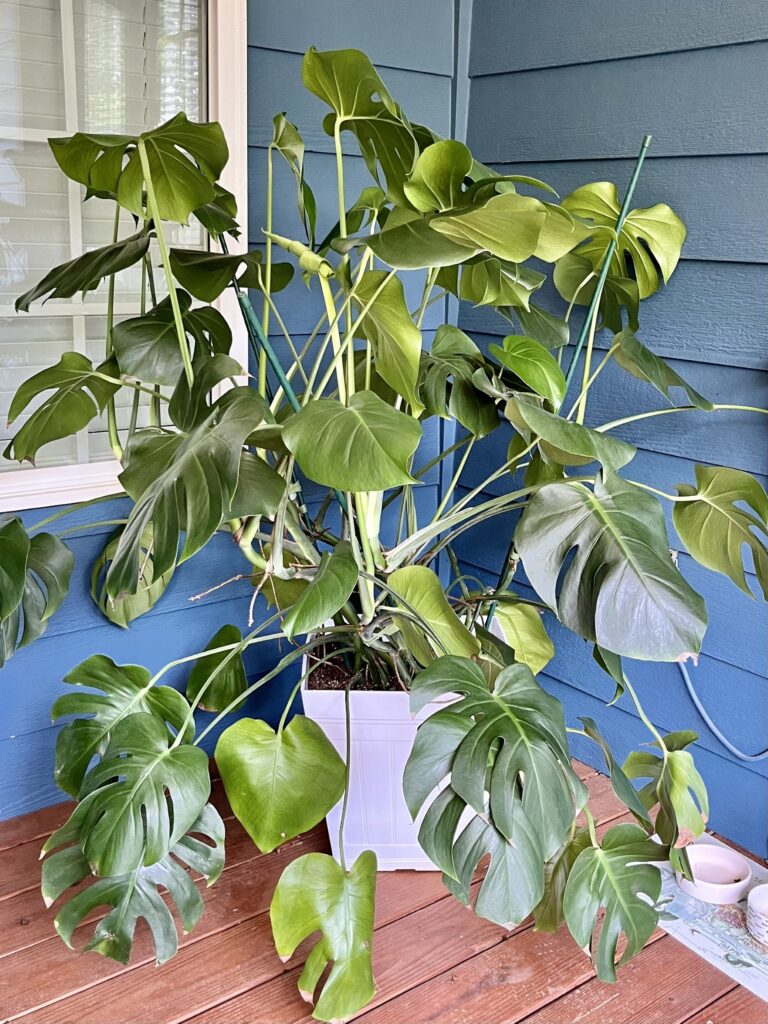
(227, 67)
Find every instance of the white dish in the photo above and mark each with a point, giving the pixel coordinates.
(720, 875)
(757, 913)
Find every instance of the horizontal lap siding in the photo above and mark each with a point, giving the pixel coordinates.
(414, 46)
(565, 92)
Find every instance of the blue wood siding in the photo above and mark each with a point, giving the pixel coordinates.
(565, 92)
(413, 45)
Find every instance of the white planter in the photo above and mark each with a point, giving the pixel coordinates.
(382, 736)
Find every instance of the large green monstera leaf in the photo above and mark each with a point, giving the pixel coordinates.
(141, 797)
(282, 783)
(348, 83)
(105, 694)
(725, 512)
(518, 729)
(617, 878)
(181, 481)
(315, 894)
(135, 895)
(621, 588)
(34, 580)
(649, 238)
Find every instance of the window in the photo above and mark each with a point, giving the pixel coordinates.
(94, 65)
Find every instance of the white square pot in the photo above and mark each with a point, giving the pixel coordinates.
(383, 732)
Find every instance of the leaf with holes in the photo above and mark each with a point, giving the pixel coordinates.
(279, 784)
(141, 797)
(519, 731)
(315, 894)
(78, 396)
(106, 694)
(34, 580)
(135, 895)
(618, 878)
(729, 512)
(620, 588)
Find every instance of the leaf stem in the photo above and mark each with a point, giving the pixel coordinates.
(154, 212)
(347, 758)
(112, 431)
(678, 408)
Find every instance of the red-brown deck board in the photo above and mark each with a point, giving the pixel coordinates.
(434, 960)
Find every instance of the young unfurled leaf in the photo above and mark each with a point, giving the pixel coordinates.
(141, 797)
(524, 631)
(78, 396)
(279, 784)
(367, 445)
(730, 511)
(218, 679)
(421, 592)
(648, 238)
(86, 272)
(135, 895)
(315, 894)
(519, 730)
(34, 580)
(287, 140)
(533, 364)
(328, 592)
(638, 360)
(567, 443)
(113, 693)
(622, 787)
(620, 589)
(617, 878)
(676, 786)
(395, 338)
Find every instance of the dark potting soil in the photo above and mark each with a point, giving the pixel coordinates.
(335, 674)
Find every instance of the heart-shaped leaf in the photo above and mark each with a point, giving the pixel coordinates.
(367, 445)
(438, 177)
(86, 272)
(78, 396)
(421, 592)
(517, 728)
(282, 783)
(218, 679)
(141, 797)
(638, 360)
(395, 337)
(113, 693)
(648, 238)
(326, 594)
(315, 894)
(619, 586)
(617, 878)
(524, 631)
(552, 331)
(566, 443)
(530, 361)
(135, 895)
(715, 529)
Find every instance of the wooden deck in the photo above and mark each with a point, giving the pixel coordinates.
(434, 960)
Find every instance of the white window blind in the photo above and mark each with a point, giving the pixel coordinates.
(66, 66)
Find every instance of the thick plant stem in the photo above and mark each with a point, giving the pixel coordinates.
(112, 432)
(154, 212)
(347, 757)
(581, 408)
(594, 304)
(335, 339)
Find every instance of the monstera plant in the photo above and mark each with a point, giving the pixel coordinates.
(313, 469)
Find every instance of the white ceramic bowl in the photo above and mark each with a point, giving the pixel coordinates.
(720, 874)
(757, 913)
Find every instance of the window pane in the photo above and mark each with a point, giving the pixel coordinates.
(134, 65)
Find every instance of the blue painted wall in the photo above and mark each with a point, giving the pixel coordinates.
(414, 50)
(565, 91)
